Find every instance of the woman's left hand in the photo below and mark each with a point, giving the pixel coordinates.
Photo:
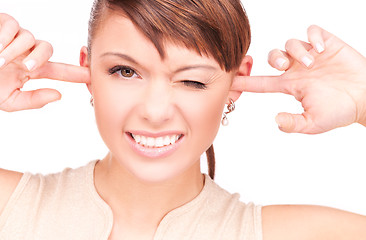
(325, 74)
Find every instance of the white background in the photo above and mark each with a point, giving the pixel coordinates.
(253, 157)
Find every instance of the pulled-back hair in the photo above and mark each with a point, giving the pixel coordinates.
(216, 28)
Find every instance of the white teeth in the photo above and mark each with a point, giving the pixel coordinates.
(143, 140)
(137, 138)
(155, 142)
(172, 139)
(166, 140)
(150, 142)
(159, 142)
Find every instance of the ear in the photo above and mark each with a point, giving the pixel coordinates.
(244, 70)
(84, 62)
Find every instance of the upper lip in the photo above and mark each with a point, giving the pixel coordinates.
(155, 135)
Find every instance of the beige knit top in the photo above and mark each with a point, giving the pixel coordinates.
(67, 206)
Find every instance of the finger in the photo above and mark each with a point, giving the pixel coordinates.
(62, 72)
(279, 59)
(299, 50)
(30, 100)
(8, 30)
(39, 56)
(22, 43)
(258, 84)
(317, 34)
(294, 123)
(316, 38)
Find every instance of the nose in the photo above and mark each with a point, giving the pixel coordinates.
(157, 105)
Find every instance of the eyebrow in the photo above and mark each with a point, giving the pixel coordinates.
(182, 69)
(190, 67)
(120, 55)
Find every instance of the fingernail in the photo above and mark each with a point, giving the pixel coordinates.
(56, 100)
(278, 121)
(319, 47)
(30, 64)
(2, 62)
(280, 62)
(307, 61)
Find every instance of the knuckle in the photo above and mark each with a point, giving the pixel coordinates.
(312, 27)
(3, 15)
(13, 23)
(290, 44)
(272, 54)
(48, 46)
(29, 37)
(6, 16)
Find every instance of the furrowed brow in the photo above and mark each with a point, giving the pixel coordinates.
(191, 67)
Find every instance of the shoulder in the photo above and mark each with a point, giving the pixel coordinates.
(304, 222)
(45, 186)
(8, 183)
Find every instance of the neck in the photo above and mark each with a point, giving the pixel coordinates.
(138, 201)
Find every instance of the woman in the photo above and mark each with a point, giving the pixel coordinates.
(150, 91)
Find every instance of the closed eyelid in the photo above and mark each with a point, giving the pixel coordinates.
(196, 84)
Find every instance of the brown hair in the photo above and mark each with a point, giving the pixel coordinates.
(217, 28)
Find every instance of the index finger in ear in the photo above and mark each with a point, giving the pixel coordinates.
(9, 28)
(63, 72)
(259, 84)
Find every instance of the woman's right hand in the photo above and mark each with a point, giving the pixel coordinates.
(22, 58)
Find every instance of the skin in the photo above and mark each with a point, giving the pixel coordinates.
(337, 67)
(336, 75)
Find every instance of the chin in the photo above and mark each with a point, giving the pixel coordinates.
(154, 170)
(156, 174)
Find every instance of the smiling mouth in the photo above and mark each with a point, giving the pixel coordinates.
(157, 142)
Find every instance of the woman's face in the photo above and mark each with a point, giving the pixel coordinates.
(156, 116)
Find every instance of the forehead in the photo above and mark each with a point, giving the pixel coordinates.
(117, 33)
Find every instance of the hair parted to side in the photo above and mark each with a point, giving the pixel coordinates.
(216, 28)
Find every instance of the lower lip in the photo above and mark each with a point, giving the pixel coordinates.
(153, 152)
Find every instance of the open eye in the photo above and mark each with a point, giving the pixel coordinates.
(194, 84)
(123, 71)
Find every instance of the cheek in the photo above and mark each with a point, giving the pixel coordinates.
(204, 116)
(110, 108)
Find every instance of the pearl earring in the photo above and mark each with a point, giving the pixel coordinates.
(230, 108)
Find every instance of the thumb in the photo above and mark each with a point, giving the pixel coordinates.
(294, 123)
(34, 99)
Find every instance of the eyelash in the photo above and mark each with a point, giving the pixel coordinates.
(194, 84)
(120, 68)
(187, 83)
